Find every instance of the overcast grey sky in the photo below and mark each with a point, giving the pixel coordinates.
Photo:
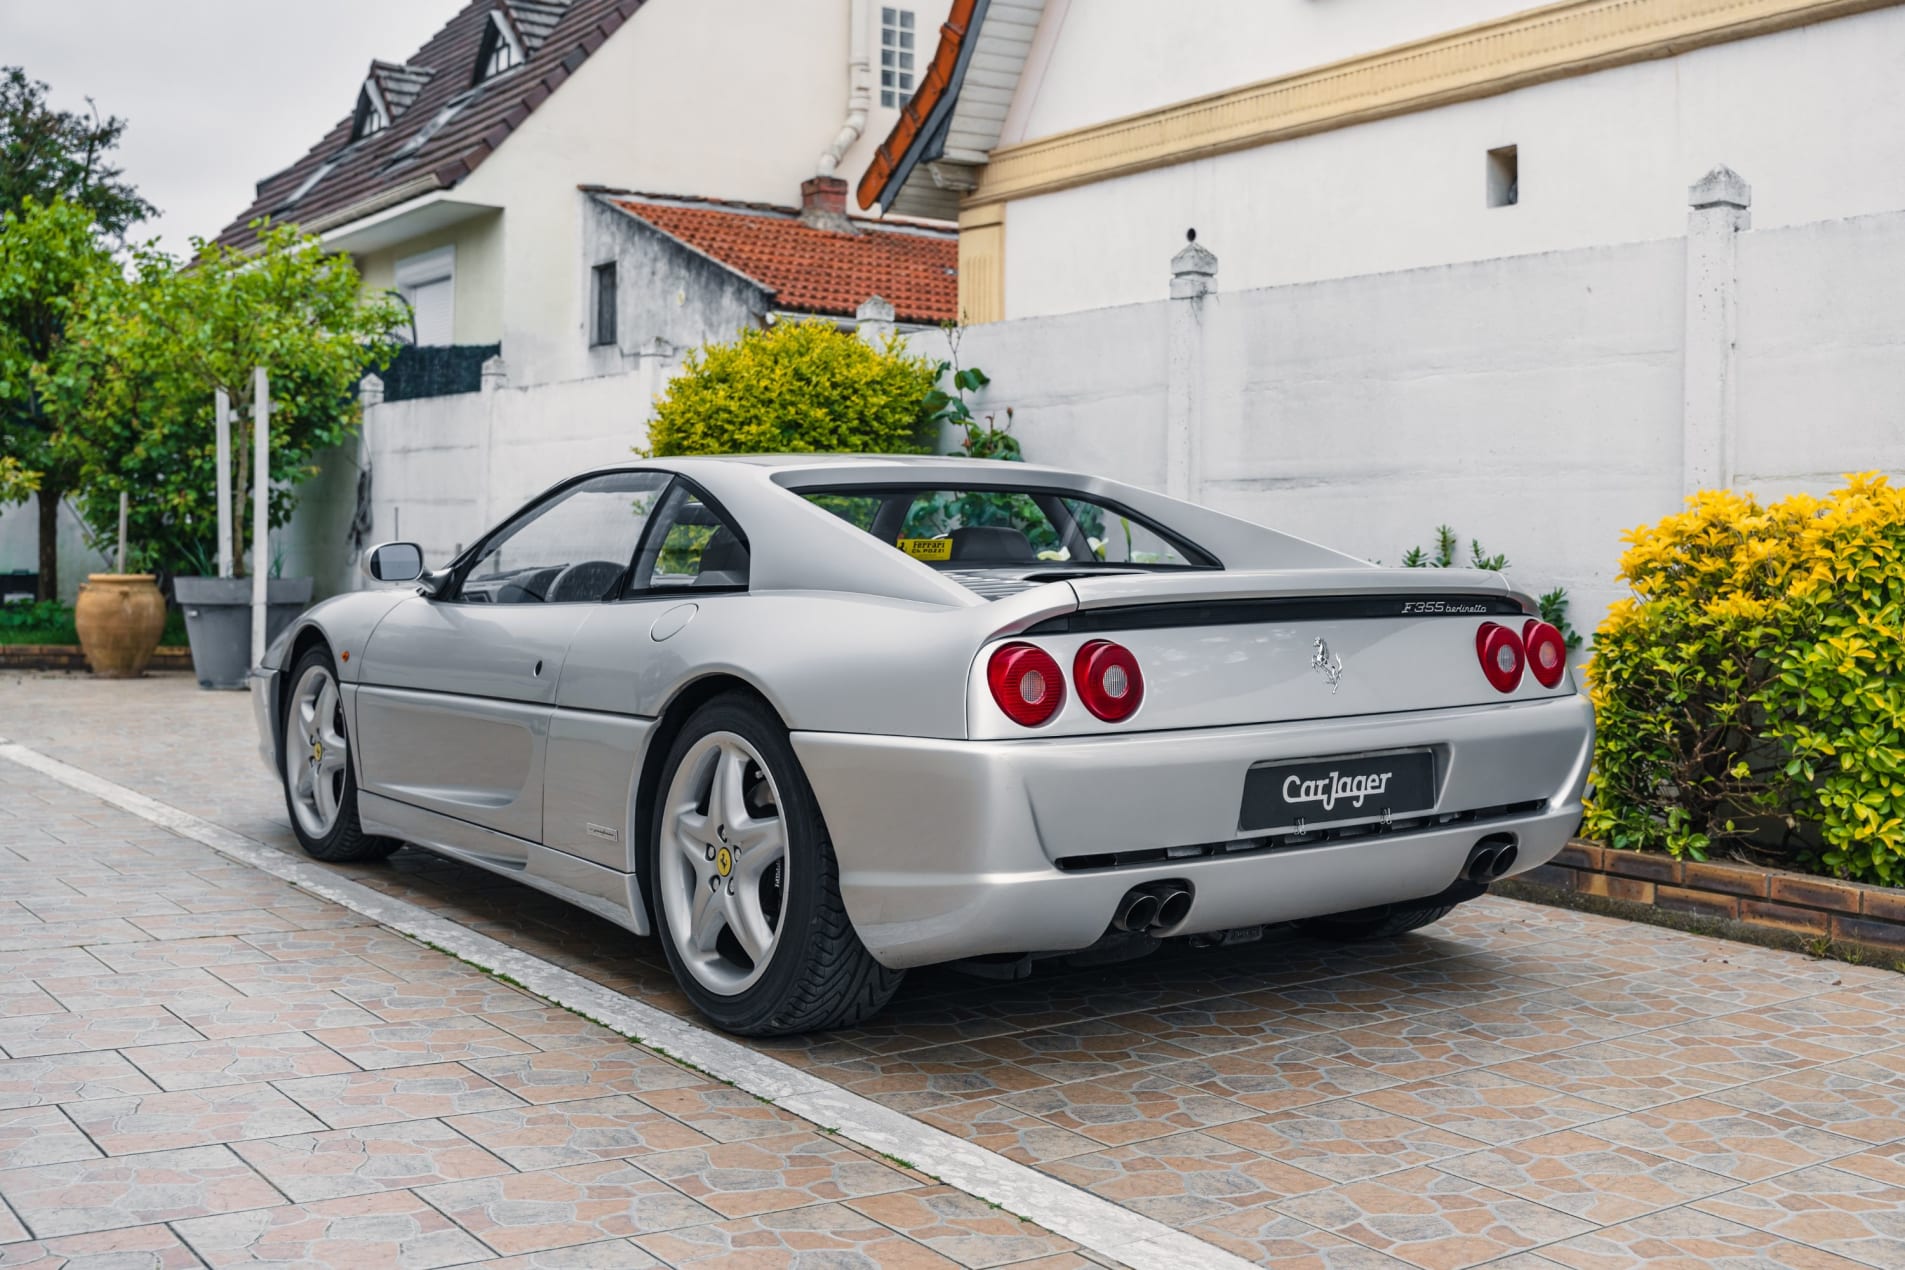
(216, 93)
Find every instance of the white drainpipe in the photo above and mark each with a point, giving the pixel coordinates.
(859, 92)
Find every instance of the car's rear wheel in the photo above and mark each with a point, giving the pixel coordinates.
(746, 888)
(1375, 923)
(320, 789)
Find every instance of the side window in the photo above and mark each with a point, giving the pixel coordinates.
(691, 547)
(572, 548)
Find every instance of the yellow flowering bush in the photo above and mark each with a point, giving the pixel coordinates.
(796, 387)
(1750, 696)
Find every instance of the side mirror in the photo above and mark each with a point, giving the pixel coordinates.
(394, 562)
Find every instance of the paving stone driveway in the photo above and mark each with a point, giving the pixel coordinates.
(195, 1044)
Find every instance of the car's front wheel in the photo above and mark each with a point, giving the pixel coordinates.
(746, 888)
(320, 789)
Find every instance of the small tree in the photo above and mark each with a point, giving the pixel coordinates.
(53, 270)
(56, 156)
(141, 382)
(795, 387)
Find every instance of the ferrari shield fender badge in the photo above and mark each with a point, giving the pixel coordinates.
(1328, 665)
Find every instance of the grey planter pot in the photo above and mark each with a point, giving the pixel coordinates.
(218, 622)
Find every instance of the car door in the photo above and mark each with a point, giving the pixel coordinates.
(456, 693)
(693, 556)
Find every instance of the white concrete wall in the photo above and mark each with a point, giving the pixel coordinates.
(1809, 115)
(20, 545)
(478, 298)
(1533, 402)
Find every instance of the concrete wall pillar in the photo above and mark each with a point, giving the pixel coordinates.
(1720, 209)
(875, 320)
(370, 391)
(1193, 279)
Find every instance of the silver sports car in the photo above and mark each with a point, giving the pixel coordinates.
(813, 720)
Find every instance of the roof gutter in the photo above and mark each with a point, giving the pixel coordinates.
(859, 92)
(396, 194)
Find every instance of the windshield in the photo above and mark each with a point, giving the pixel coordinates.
(976, 528)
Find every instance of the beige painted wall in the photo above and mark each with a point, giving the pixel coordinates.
(479, 273)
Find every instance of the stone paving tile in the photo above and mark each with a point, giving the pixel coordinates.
(134, 1248)
(46, 963)
(1487, 1106)
(20, 997)
(1128, 1107)
(1851, 1022)
(1823, 1207)
(1734, 1048)
(580, 1204)
(609, 1254)
(554, 1134)
(1092, 1049)
(1634, 1073)
(1588, 1177)
(1538, 1024)
(177, 954)
(819, 1235)
(421, 1041)
(41, 1135)
(1415, 1048)
(389, 1157)
(1883, 1164)
(202, 1064)
(389, 1095)
(1344, 1140)
(1276, 1077)
(998, 1127)
(758, 1175)
(394, 1228)
(921, 1079)
(244, 921)
(36, 1082)
(32, 1035)
(1433, 1219)
(722, 1112)
(1721, 1139)
(164, 1121)
(1185, 1178)
(74, 908)
(1684, 1239)
(163, 1186)
(264, 1016)
(39, 935)
(588, 1070)
(551, 1027)
(168, 987)
(10, 1228)
(969, 1231)
(269, 977)
(411, 1000)
(1857, 1098)
(1268, 1237)
(1219, 1025)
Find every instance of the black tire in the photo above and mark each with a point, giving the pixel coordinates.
(819, 975)
(1374, 923)
(346, 842)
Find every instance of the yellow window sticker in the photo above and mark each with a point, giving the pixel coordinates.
(927, 548)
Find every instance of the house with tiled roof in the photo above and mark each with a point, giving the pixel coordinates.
(571, 195)
(465, 176)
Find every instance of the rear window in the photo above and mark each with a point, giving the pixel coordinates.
(977, 528)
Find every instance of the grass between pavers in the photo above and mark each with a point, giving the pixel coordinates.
(1715, 927)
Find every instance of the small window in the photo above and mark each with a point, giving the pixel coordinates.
(690, 547)
(896, 55)
(602, 323)
(427, 283)
(499, 51)
(1504, 177)
(372, 116)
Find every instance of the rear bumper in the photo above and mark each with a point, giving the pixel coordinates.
(947, 848)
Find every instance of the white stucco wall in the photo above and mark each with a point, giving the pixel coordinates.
(1809, 116)
(478, 242)
(20, 545)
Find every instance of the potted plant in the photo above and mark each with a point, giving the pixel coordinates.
(119, 616)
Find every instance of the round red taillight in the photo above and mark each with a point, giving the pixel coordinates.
(1108, 680)
(1026, 682)
(1547, 652)
(1500, 652)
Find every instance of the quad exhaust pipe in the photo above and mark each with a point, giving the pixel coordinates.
(1491, 858)
(1154, 905)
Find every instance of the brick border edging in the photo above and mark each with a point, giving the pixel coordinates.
(1741, 901)
(69, 657)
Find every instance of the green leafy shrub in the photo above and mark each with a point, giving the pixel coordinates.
(1553, 605)
(37, 622)
(796, 387)
(1748, 697)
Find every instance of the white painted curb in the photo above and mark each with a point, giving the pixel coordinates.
(1094, 1224)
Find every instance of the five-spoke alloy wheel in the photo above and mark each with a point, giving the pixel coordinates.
(320, 789)
(745, 886)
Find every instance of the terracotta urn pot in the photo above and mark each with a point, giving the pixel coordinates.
(120, 617)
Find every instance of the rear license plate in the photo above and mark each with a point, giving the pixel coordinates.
(1330, 791)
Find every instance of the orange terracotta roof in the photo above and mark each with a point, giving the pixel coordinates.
(940, 78)
(810, 270)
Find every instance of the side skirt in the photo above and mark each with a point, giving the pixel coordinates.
(608, 893)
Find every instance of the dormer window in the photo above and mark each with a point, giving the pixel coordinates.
(501, 49)
(373, 112)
